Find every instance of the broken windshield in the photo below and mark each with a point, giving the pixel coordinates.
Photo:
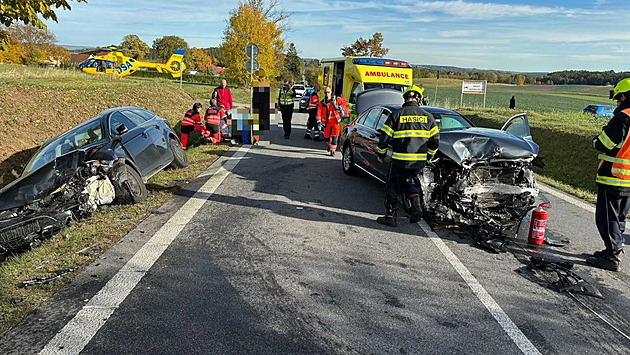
(70, 141)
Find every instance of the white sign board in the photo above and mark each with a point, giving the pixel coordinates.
(473, 87)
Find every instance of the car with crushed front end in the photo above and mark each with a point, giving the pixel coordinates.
(107, 158)
(480, 177)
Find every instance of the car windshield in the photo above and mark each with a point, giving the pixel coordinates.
(396, 87)
(298, 87)
(68, 142)
(449, 121)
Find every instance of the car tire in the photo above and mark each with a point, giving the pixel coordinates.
(347, 160)
(180, 159)
(133, 190)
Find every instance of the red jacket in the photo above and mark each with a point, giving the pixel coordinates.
(214, 115)
(224, 97)
(191, 118)
(313, 102)
(327, 114)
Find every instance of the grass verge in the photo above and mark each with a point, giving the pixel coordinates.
(98, 233)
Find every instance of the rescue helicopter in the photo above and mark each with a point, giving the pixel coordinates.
(117, 63)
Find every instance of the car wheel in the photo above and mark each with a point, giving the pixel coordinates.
(133, 189)
(347, 161)
(180, 159)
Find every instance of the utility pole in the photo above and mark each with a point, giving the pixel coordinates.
(437, 81)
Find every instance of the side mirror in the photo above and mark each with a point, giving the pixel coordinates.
(122, 129)
(353, 98)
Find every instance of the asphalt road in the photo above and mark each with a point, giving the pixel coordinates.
(285, 257)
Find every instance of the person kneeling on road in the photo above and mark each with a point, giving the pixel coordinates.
(214, 116)
(414, 137)
(190, 123)
(613, 180)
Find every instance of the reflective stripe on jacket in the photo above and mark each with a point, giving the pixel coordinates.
(191, 118)
(413, 135)
(326, 112)
(214, 115)
(313, 102)
(285, 97)
(614, 164)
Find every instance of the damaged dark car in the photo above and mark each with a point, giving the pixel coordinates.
(104, 160)
(479, 177)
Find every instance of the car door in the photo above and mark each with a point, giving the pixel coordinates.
(158, 151)
(135, 141)
(382, 169)
(365, 134)
(518, 125)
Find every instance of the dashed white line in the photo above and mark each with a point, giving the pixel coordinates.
(493, 307)
(75, 335)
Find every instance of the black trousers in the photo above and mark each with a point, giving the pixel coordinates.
(312, 124)
(398, 180)
(610, 216)
(287, 116)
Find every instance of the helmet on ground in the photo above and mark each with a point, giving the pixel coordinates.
(622, 87)
(413, 91)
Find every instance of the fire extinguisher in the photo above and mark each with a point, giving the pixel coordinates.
(538, 224)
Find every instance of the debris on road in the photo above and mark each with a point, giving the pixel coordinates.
(83, 251)
(567, 280)
(44, 262)
(44, 280)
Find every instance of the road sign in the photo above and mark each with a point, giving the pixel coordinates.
(252, 50)
(473, 87)
(252, 67)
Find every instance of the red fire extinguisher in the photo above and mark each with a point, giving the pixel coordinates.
(538, 224)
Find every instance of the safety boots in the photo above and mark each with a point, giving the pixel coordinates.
(416, 209)
(390, 218)
(604, 259)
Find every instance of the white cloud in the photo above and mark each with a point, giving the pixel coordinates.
(597, 57)
(457, 33)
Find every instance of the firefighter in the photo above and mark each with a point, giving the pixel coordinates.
(328, 114)
(613, 180)
(313, 124)
(214, 116)
(191, 122)
(285, 102)
(414, 137)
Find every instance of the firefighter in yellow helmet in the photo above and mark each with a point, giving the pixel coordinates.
(414, 137)
(613, 180)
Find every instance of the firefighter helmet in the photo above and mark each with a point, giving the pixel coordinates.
(622, 87)
(413, 91)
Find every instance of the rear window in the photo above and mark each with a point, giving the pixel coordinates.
(299, 87)
(396, 87)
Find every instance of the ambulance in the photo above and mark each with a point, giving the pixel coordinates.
(348, 76)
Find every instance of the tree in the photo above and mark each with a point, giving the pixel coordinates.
(293, 63)
(30, 34)
(28, 12)
(520, 80)
(253, 21)
(132, 45)
(372, 47)
(310, 73)
(164, 47)
(197, 59)
(215, 54)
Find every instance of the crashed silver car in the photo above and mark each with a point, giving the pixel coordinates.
(105, 159)
(480, 177)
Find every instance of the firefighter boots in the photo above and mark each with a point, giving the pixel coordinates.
(416, 209)
(390, 218)
(606, 260)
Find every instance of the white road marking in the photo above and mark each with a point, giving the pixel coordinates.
(566, 197)
(493, 307)
(81, 329)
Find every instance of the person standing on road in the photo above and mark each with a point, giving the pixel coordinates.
(190, 123)
(285, 102)
(313, 124)
(613, 180)
(414, 136)
(512, 103)
(328, 114)
(223, 96)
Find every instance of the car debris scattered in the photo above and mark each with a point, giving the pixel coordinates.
(567, 280)
(45, 280)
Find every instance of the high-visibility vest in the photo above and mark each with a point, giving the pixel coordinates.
(214, 115)
(313, 102)
(285, 97)
(191, 118)
(621, 161)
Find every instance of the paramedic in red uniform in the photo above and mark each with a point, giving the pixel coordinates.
(328, 115)
(313, 124)
(191, 122)
(214, 116)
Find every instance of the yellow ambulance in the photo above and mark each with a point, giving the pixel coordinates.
(348, 76)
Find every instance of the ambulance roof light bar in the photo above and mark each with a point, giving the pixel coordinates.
(380, 62)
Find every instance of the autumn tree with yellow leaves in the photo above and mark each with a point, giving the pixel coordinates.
(253, 21)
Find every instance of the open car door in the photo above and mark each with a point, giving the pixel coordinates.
(518, 125)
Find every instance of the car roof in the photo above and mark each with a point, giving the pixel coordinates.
(430, 109)
(113, 109)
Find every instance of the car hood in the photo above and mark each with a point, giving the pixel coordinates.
(41, 182)
(482, 144)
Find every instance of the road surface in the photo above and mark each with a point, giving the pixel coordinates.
(275, 251)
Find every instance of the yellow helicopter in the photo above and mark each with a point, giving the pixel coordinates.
(115, 62)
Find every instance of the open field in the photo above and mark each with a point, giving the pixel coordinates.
(540, 98)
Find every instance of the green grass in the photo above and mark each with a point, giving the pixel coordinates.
(100, 231)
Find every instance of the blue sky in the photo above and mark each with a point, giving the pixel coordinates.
(513, 35)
